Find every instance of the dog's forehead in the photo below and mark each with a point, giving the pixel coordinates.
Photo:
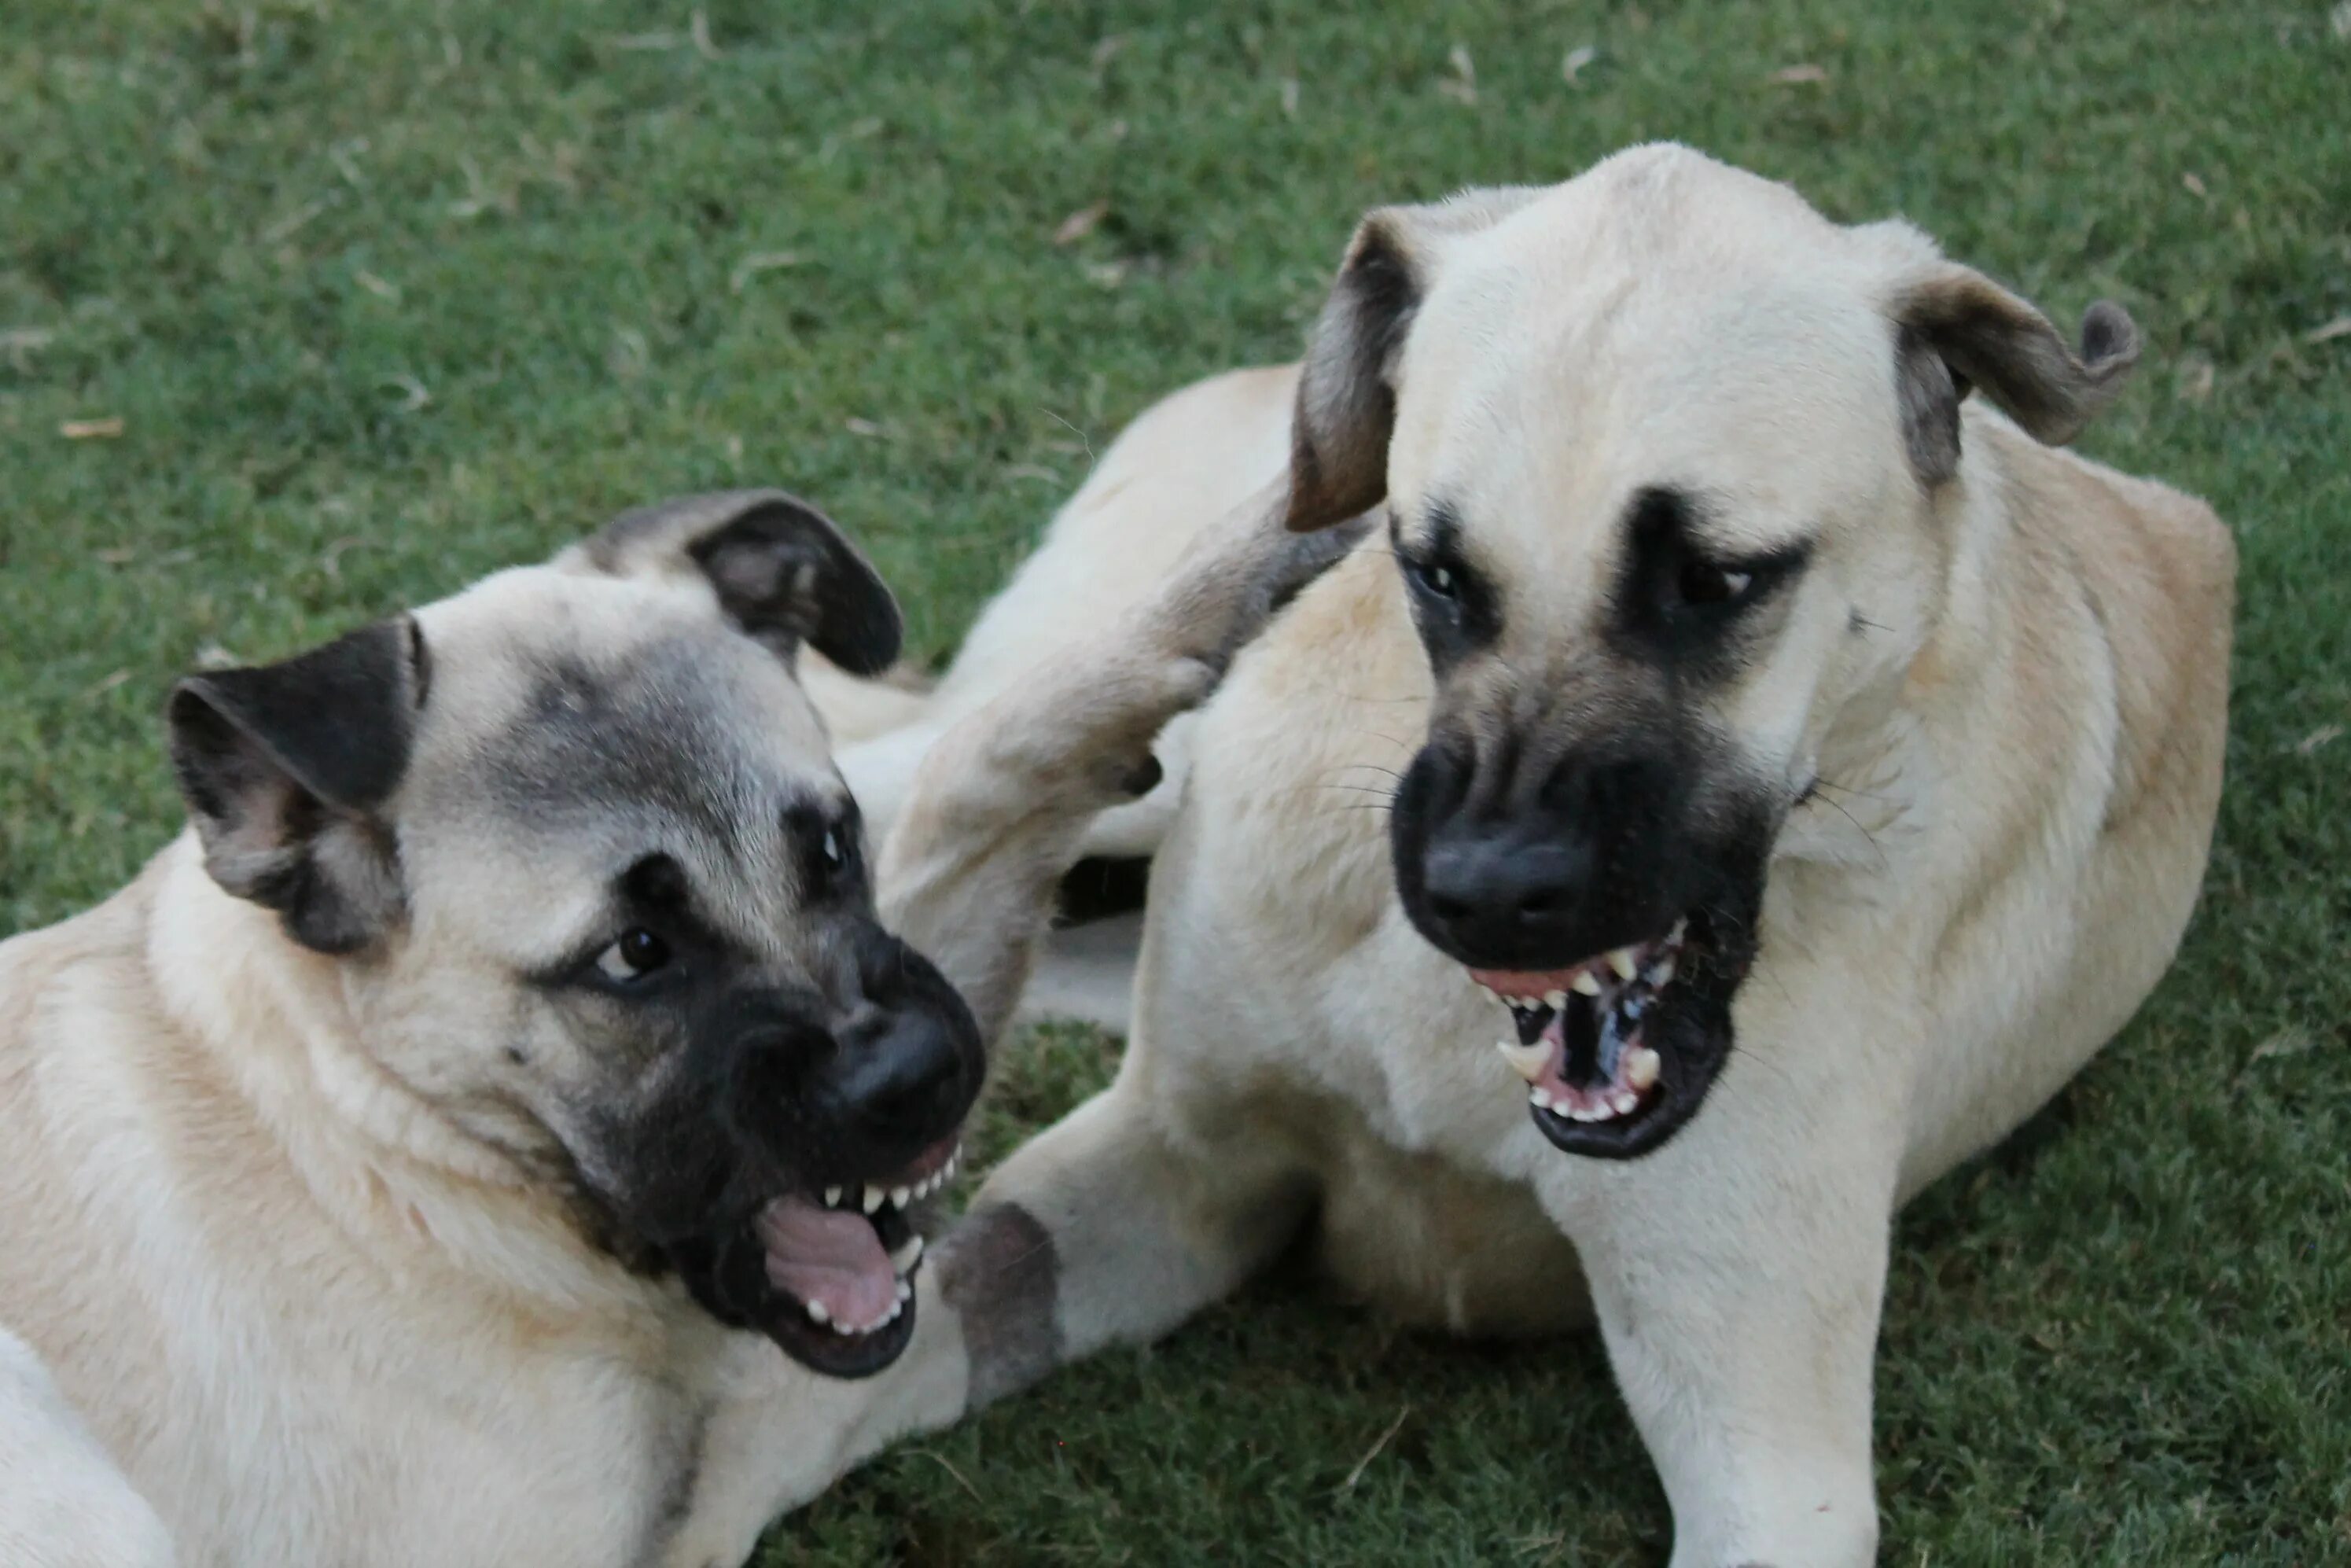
(1672, 324)
(575, 723)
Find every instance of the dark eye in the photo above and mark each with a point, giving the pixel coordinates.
(1434, 578)
(1703, 582)
(637, 953)
(829, 854)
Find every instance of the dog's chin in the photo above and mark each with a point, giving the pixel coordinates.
(1619, 1051)
(829, 1275)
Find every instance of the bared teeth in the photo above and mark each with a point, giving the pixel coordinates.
(873, 1199)
(1585, 983)
(1555, 1000)
(1641, 1066)
(832, 1197)
(1625, 962)
(1663, 974)
(818, 1315)
(1527, 1061)
(909, 1253)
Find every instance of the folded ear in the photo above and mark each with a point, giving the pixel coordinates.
(286, 770)
(1955, 328)
(1347, 387)
(781, 569)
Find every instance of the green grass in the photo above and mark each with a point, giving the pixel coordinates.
(388, 295)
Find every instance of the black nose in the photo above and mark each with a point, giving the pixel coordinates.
(903, 1075)
(1503, 891)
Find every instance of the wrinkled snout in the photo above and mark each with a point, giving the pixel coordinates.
(1542, 866)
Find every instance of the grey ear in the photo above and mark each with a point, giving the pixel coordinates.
(781, 569)
(285, 768)
(1347, 387)
(1958, 330)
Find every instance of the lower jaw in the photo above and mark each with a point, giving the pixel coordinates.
(839, 1355)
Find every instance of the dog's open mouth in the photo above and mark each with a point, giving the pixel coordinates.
(1616, 1050)
(843, 1261)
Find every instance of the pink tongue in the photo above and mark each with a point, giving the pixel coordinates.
(830, 1257)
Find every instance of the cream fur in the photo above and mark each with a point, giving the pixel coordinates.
(2028, 751)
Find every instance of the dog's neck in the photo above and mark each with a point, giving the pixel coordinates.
(274, 1013)
(373, 1153)
(1889, 750)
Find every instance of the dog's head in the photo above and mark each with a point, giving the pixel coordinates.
(597, 894)
(1672, 468)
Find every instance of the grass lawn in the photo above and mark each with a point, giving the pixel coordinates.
(383, 296)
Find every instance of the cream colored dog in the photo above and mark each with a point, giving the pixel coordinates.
(488, 1137)
(1801, 767)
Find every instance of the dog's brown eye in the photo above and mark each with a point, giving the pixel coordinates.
(638, 953)
(1702, 582)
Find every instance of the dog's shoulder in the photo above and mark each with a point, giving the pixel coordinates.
(2156, 567)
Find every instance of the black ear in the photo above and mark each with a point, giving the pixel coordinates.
(286, 770)
(781, 569)
(1958, 330)
(1347, 386)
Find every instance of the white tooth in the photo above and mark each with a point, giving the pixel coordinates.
(1555, 1000)
(948, 1171)
(1527, 1061)
(816, 1310)
(872, 1199)
(1585, 983)
(905, 1294)
(1663, 974)
(1624, 963)
(1542, 1099)
(1641, 1067)
(900, 1196)
(832, 1197)
(909, 1253)
(1674, 938)
(1625, 1100)
(1590, 1114)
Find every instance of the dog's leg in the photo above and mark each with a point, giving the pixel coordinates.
(1740, 1318)
(1113, 1226)
(999, 807)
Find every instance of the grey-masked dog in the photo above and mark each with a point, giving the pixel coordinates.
(487, 1135)
(1801, 767)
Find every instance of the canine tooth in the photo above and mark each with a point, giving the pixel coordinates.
(900, 1196)
(909, 1253)
(1585, 983)
(1641, 1067)
(1527, 1061)
(832, 1197)
(1625, 963)
(817, 1312)
(1625, 1100)
(1555, 1000)
(948, 1171)
(872, 1202)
